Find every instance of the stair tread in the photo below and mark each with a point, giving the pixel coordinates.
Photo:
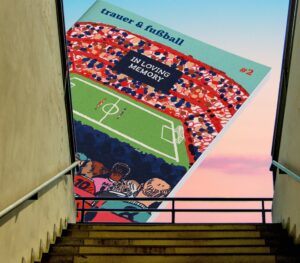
(176, 227)
(245, 258)
(149, 250)
(165, 258)
(174, 234)
(162, 242)
(178, 246)
(177, 224)
(170, 230)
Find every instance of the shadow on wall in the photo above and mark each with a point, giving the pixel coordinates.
(292, 230)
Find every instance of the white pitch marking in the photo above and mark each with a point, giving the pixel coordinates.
(175, 143)
(162, 134)
(125, 136)
(109, 111)
(127, 101)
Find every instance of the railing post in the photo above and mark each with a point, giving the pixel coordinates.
(263, 211)
(82, 212)
(173, 211)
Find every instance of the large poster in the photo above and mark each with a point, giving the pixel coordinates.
(148, 104)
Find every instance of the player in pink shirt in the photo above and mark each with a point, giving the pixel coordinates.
(118, 172)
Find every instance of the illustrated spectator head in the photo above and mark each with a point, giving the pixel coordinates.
(156, 188)
(93, 168)
(81, 157)
(119, 171)
(127, 187)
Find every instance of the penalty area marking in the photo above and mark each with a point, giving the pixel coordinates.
(163, 133)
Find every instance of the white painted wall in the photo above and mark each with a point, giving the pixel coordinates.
(286, 206)
(34, 143)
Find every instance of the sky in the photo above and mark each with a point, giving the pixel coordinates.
(238, 165)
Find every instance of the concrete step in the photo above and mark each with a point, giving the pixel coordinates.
(162, 259)
(190, 234)
(154, 250)
(177, 227)
(161, 242)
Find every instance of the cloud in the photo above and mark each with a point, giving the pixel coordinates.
(237, 165)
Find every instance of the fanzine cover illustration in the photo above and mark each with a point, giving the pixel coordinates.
(147, 103)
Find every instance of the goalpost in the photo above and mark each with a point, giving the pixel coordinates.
(179, 134)
(167, 134)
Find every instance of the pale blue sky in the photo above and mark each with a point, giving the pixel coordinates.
(250, 25)
(252, 29)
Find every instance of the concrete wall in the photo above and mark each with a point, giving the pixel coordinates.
(286, 208)
(33, 132)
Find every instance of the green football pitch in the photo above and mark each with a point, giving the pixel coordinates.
(144, 128)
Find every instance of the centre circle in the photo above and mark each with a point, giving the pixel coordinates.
(110, 109)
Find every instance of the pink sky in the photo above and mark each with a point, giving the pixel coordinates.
(238, 164)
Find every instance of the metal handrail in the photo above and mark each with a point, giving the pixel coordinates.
(286, 170)
(37, 190)
(263, 210)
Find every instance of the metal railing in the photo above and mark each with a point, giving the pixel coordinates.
(282, 168)
(173, 210)
(37, 190)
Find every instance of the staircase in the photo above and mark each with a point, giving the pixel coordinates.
(209, 243)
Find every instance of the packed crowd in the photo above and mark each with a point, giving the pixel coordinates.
(203, 98)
